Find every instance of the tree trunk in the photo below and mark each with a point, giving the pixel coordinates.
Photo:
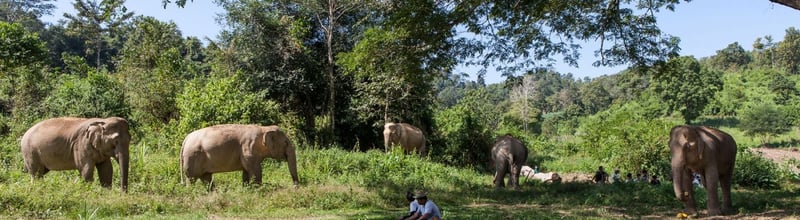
(331, 78)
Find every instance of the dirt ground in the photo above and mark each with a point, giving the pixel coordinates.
(780, 155)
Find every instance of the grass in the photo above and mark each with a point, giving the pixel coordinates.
(338, 184)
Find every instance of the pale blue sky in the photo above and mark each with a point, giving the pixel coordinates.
(704, 27)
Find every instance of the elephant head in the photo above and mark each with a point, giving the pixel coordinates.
(104, 138)
(278, 146)
(391, 135)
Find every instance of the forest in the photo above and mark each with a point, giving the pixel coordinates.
(330, 73)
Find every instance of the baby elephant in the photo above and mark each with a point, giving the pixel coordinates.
(232, 147)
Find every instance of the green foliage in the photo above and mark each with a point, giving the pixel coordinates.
(463, 140)
(686, 86)
(212, 101)
(764, 120)
(18, 47)
(623, 137)
(787, 52)
(753, 171)
(732, 57)
(96, 95)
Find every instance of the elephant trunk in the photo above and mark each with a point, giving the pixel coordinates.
(123, 158)
(678, 178)
(387, 143)
(291, 158)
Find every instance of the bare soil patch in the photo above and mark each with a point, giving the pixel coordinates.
(779, 155)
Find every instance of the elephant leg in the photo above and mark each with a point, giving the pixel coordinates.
(87, 172)
(208, 180)
(245, 177)
(105, 173)
(514, 178)
(36, 170)
(725, 183)
(688, 187)
(253, 167)
(711, 192)
(500, 174)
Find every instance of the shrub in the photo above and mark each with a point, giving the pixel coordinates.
(462, 140)
(96, 95)
(222, 101)
(752, 170)
(623, 137)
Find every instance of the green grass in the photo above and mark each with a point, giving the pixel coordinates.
(338, 184)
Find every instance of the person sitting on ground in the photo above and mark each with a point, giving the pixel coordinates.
(616, 177)
(600, 176)
(413, 209)
(429, 210)
(629, 178)
(645, 178)
(654, 180)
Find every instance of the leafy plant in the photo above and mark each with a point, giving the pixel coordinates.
(752, 170)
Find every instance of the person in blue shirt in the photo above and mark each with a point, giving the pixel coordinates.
(413, 208)
(429, 210)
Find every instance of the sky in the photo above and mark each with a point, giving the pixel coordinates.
(704, 26)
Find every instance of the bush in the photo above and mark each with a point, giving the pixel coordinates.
(223, 101)
(96, 95)
(622, 137)
(462, 140)
(752, 170)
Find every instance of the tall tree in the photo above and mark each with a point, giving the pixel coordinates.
(787, 52)
(26, 12)
(521, 95)
(685, 86)
(276, 47)
(328, 14)
(732, 57)
(98, 24)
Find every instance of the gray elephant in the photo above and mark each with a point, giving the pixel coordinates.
(705, 151)
(406, 136)
(233, 147)
(508, 156)
(78, 143)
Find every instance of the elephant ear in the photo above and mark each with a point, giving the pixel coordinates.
(273, 145)
(93, 135)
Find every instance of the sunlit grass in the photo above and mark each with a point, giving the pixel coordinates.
(338, 184)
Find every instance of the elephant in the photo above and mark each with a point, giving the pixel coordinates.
(407, 136)
(708, 152)
(233, 147)
(508, 156)
(84, 144)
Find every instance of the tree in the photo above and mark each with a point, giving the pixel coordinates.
(732, 57)
(784, 88)
(787, 52)
(277, 50)
(327, 14)
(764, 120)
(685, 86)
(521, 96)
(97, 23)
(153, 65)
(594, 98)
(26, 12)
(19, 47)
